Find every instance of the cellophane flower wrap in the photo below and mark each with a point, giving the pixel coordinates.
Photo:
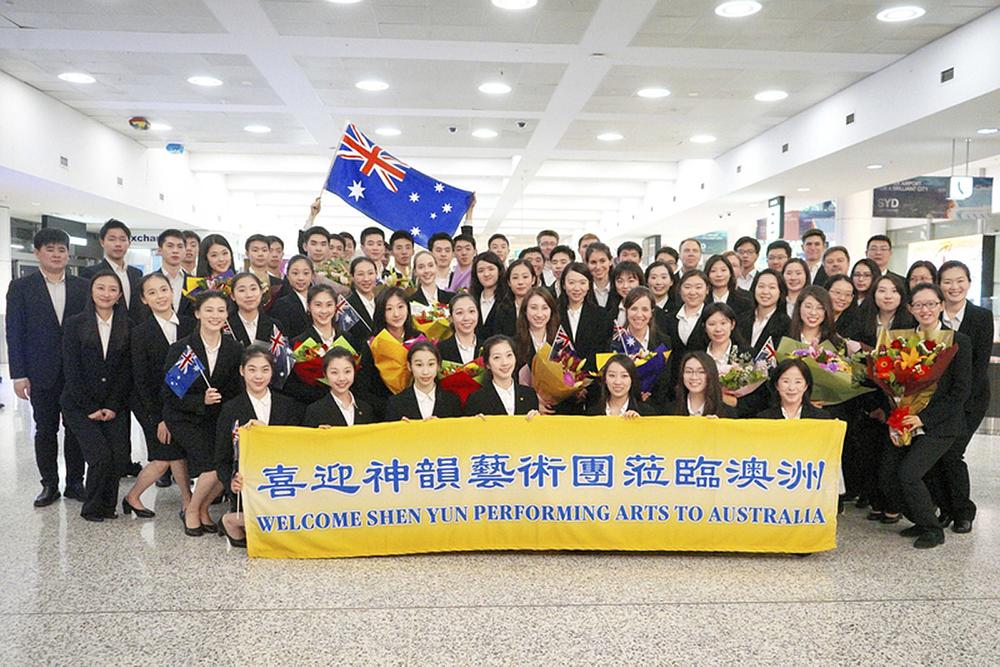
(907, 367)
(404, 283)
(555, 380)
(195, 285)
(433, 321)
(649, 365)
(462, 379)
(308, 358)
(336, 273)
(833, 373)
(741, 376)
(389, 355)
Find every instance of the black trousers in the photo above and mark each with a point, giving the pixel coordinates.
(910, 465)
(949, 479)
(45, 411)
(100, 442)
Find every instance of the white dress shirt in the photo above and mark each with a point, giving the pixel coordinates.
(425, 402)
(213, 354)
(954, 322)
(442, 283)
(695, 412)
(615, 413)
(328, 342)
(662, 303)
(57, 292)
(346, 410)
(262, 406)
(368, 304)
(602, 294)
(796, 415)
(467, 354)
(643, 340)
(746, 282)
(250, 326)
(104, 329)
(485, 306)
(168, 327)
(573, 318)
(506, 397)
(122, 273)
(759, 325)
(724, 358)
(176, 286)
(305, 302)
(432, 297)
(620, 319)
(686, 323)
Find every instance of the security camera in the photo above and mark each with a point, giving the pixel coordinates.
(521, 124)
(452, 129)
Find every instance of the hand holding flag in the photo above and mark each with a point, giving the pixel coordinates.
(182, 374)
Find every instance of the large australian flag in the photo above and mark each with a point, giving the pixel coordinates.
(391, 192)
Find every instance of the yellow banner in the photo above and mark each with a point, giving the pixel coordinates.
(653, 483)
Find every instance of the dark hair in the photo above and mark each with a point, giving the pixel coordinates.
(801, 262)
(695, 274)
(400, 235)
(201, 297)
(525, 348)
(783, 367)
(837, 248)
(925, 286)
(510, 269)
(953, 264)
(246, 274)
(337, 237)
(476, 287)
(581, 268)
(629, 245)
(879, 237)
(153, 276)
(833, 280)
(625, 362)
(466, 237)
(272, 239)
(204, 270)
(188, 235)
(530, 250)
(655, 265)
(357, 261)
(876, 273)
(114, 224)
(870, 309)
(713, 388)
(779, 245)
(586, 237)
(497, 237)
(372, 231)
(381, 301)
(316, 290)
(670, 251)
(256, 238)
(338, 352)
(921, 263)
(743, 240)
(315, 230)
(50, 235)
(104, 273)
(426, 346)
(597, 246)
(782, 288)
(492, 342)
(628, 268)
(634, 295)
(440, 236)
(814, 231)
(563, 250)
(711, 309)
(299, 258)
(255, 350)
(346, 236)
(828, 328)
(168, 233)
(458, 297)
(715, 259)
(546, 232)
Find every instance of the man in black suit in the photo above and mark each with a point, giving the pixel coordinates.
(813, 245)
(37, 306)
(116, 238)
(879, 250)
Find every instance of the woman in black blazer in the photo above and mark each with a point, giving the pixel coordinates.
(884, 309)
(698, 391)
(255, 405)
(620, 391)
(769, 319)
(500, 362)
(339, 407)
(625, 277)
(247, 295)
(843, 298)
(192, 419)
(489, 291)
(424, 361)
(289, 310)
(463, 346)
(519, 279)
(590, 326)
(94, 400)
(322, 302)
(640, 324)
(150, 341)
(723, 287)
(364, 279)
(942, 422)
(791, 383)
(427, 292)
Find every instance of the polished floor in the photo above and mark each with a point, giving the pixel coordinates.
(140, 592)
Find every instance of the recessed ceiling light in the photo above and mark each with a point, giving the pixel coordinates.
(515, 4)
(693, 94)
(770, 95)
(653, 93)
(388, 132)
(702, 139)
(610, 136)
(494, 88)
(159, 127)
(803, 189)
(208, 81)
(484, 133)
(77, 77)
(257, 129)
(874, 166)
(989, 130)
(36, 203)
(344, 2)
(371, 85)
(901, 13)
(737, 9)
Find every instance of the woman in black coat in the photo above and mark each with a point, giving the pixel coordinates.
(698, 391)
(791, 383)
(289, 310)
(620, 391)
(490, 291)
(500, 361)
(94, 399)
(424, 361)
(464, 344)
(339, 407)
(150, 341)
(248, 317)
(427, 292)
(769, 319)
(723, 287)
(587, 324)
(192, 419)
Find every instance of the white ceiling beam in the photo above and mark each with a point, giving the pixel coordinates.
(752, 59)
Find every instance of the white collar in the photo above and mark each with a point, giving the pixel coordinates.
(173, 319)
(797, 415)
(340, 405)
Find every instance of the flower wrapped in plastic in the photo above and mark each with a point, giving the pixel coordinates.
(649, 365)
(462, 379)
(556, 379)
(394, 279)
(434, 321)
(833, 374)
(742, 376)
(907, 367)
(389, 355)
(195, 285)
(336, 273)
(307, 356)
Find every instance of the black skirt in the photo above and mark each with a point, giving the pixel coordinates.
(197, 441)
(160, 451)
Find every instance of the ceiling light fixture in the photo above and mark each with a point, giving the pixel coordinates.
(901, 13)
(388, 132)
(653, 93)
(344, 2)
(873, 167)
(494, 88)
(257, 129)
(610, 136)
(484, 133)
(206, 81)
(515, 5)
(988, 130)
(77, 77)
(770, 95)
(159, 127)
(803, 189)
(702, 139)
(371, 85)
(737, 9)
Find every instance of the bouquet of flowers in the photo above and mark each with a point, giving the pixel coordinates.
(195, 285)
(336, 273)
(834, 377)
(395, 279)
(307, 356)
(742, 376)
(389, 356)
(907, 367)
(556, 379)
(462, 379)
(433, 321)
(649, 365)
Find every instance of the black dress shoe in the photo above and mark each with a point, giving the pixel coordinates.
(141, 512)
(238, 542)
(194, 532)
(109, 514)
(165, 480)
(75, 491)
(944, 519)
(962, 526)
(861, 502)
(890, 519)
(930, 539)
(133, 469)
(913, 531)
(875, 515)
(49, 495)
(96, 518)
(209, 528)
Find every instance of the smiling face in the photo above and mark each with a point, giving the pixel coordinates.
(212, 315)
(659, 282)
(339, 375)
(424, 367)
(500, 248)
(693, 292)
(841, 296)
(836, 264)
(792, 386)
(547, 243)
(862, 278)
(795, 277)
(220, 259)
(576, 286)
(364, 277)
(465, 316)
(926, 307)
(767, 292)
(538, 312)
(690, 255)
(115, 244)
(559, 262)
(625, 283)
(887, 297)
(246, 294)
(537, 262)
(397, 312)
(321, 309)
(501, 361)
(157, 294)
(955, 285)
(53, 257)
(719, 328)
(599, 265)
(520, 280)
(373, 246)
(425, 269)
(719, 275)
(812, 248)
(488, 274)
(299, 276)
(694, 376)
(812, 312)
(257, 374)
(105, 292)
(639, 315)
(618, 380)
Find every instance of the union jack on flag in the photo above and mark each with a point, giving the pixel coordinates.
(768, 354)
(562, 346)
(356, 146)
(344, 314)
(184, 372)
(282, 355)
(624, 342)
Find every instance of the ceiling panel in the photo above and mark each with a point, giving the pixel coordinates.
(183, 16)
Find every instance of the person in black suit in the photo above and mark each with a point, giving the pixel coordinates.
(879, 250)
(116, 238)
(463, 346)
(952, 490)
(37, 307)
(791, 385)
(769, 319)
(620, 391)
(364, 277)
(170, 244)
(322, 329)
(722, 280)
(660, 282)
(625, 277)
(942, 421)
(640, 325)
(698, 391)
(726, 345)
(489, 291)
(290, 309)
(519, 279)
(192, 419)
(150, 340)
(423, 399)
(427, 292)
(258, 253)
(587, 324)
(256, 405)
(843, 298)
(921, 271)
(685, 326)
(500, 393)
(813, 246)
(338, 407)
(96, 361)
(249, 322)
(884, 310)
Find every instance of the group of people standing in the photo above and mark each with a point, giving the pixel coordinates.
(96, 348)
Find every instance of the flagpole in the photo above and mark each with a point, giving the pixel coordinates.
(468, 212)
(332, 160)
(207, 383)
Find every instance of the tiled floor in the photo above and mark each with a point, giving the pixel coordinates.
(131, 592)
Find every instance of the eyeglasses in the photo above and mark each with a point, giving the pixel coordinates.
(745, 252)
(925, 305)
(841, 293)
(694, 372)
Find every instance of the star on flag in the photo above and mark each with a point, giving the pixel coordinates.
(415, 231)
(356, 191)
(438, 187)
(414, 197)
(446, 208)
(434, 216)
